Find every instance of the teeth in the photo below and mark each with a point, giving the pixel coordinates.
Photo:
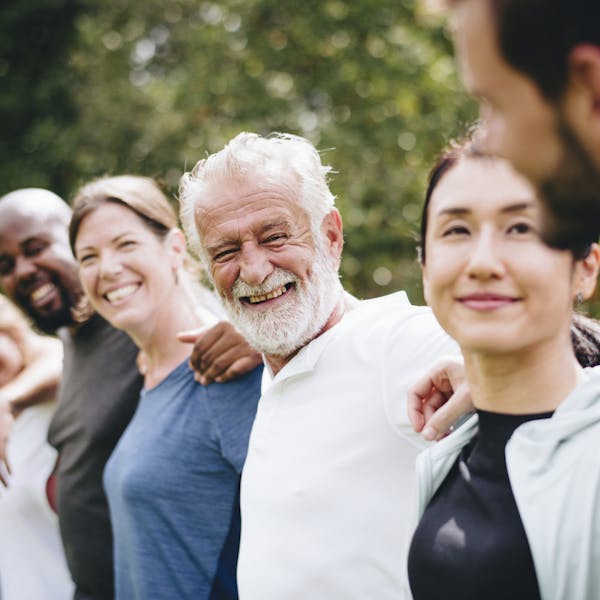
(274, 294)
(42, 291)
(121, 293)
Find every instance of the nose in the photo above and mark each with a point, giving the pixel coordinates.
(110, 265)
(485, 261)
(255, 265)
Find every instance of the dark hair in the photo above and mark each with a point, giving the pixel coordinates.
(446, 160)
(585, 335)
(536, 37)
(139, 194)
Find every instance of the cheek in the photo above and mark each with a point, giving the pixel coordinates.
(87, 279)
(224, 278)
(7, 285)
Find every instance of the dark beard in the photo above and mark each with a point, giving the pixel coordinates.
(49, 323)
(52, 322)
(571, 197)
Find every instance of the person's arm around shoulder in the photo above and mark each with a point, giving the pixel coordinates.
(220, 353)
(36, 383)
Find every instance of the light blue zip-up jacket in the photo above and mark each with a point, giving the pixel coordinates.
(554, 470)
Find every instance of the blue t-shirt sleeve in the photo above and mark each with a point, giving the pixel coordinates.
(233, 407)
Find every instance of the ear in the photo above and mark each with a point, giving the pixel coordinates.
(582, 96)
(176, 247)
(586, 273)
(333, 233)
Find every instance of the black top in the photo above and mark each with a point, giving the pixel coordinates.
(98, 395)
(470, 542)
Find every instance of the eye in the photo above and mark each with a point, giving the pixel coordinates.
(521, 228)
(127, 244)
(224, 255)
(455, 230)
(86, 259)
(276, 239)
(34, 247)
(7, 264)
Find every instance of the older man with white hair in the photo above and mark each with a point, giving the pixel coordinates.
(328, 480)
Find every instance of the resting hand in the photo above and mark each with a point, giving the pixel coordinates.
(439, 399)
(6, 424)
(220, 353)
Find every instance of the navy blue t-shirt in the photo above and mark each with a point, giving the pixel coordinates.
(173, 488)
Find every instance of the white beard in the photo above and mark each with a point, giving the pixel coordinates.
(289, 326)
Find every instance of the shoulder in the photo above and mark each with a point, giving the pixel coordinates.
(393, 316)
(247, 385)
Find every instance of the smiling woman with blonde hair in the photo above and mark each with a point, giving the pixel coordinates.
(172, 481)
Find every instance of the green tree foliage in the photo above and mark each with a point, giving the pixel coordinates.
(151, 86)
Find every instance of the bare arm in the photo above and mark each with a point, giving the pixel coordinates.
(439, 399)
(220, 353)
(36, 383)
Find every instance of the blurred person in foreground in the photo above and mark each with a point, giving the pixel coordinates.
(32, 560)
(329, 477)
(100, 381)
(509, 502)
(535, 67)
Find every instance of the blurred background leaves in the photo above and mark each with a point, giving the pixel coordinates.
(147, 86)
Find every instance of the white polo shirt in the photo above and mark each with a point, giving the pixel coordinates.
(328, 483)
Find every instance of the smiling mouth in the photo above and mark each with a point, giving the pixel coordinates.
(487, 302)
(280, 291)
(39, 295)
(121, 293)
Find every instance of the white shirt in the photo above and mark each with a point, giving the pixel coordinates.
(32, 561)
(328, 482)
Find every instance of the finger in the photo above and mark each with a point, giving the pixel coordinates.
(191, 335)
(414, 407)
(440, 422)
(217, 366)
(436, 400)
(239, 367)
(213, 342)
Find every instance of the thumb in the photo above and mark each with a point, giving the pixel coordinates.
(191, 335)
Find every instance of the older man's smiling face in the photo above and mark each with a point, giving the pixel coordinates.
(278, 283)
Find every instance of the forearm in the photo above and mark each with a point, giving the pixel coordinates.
(39, 381)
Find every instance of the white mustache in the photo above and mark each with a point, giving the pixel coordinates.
(275, 280)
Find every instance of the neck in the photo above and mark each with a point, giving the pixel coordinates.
(522, 382)
(158, 342)
(346, 303)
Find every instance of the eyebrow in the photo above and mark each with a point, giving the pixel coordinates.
(458, 211)
(266, 227)
(33, 238)
(113, 240)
